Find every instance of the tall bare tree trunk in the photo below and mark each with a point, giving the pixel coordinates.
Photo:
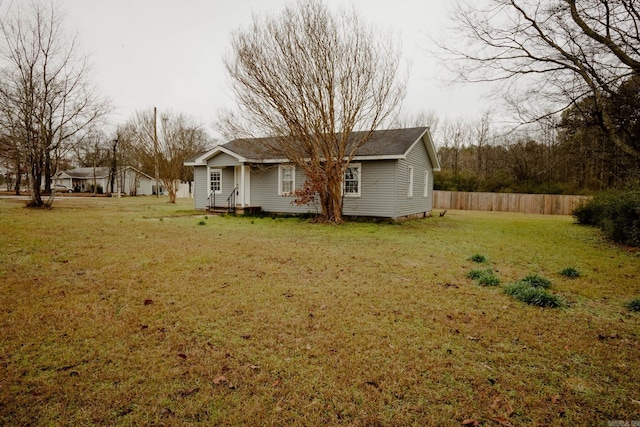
(18, 167)
(310, 78)
(36, 163)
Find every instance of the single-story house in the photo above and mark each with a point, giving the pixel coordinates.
(128, 180)
(391, 176)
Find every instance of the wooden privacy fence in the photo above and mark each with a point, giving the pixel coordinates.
(548, 204)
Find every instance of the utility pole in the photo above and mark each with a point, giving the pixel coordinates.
(95, 158)
(155, 147)
(114, 166)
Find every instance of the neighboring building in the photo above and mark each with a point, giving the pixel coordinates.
(184, 190)
(390, 177)
(128, 180)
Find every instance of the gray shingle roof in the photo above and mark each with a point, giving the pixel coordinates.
(100, 172)
(85, 173)
(383, 144)
(393, 142)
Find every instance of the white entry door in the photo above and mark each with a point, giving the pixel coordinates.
(241, 181)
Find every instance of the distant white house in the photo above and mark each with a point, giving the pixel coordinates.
(128, 180)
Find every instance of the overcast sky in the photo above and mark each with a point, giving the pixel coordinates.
(169, 53)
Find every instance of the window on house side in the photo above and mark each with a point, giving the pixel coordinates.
(426, 184)
(287, 180)
(352, 182)
(410, 183)
(215, 181)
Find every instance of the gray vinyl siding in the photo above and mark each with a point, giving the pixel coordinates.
(223, 159)
(201, 186)
(201, 182)
(264, 191)
(377, 190)
(419, 159)
(430, 186)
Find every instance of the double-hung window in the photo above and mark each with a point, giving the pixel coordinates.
(426, 184)
(215, 181)
(286, 180)
(410, 182)
(352, 180)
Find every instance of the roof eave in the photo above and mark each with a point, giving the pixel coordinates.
(431, 150)
(283, 160)
(381, 157)
(359, 158)
(139, 172)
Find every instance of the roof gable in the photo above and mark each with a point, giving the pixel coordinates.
(202, 158)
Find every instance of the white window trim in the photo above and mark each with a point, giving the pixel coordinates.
(344, 181)
(426, 184)
(410, 183)
(209, 175)
(281, 169)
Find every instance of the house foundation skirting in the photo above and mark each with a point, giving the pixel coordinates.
(248, 210)
(256, 210)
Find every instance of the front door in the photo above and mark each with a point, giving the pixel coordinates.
(241, 182)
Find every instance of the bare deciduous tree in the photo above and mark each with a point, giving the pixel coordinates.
(552, 53)
(456, 136)
(12, 154)
(89, 149)
(310, 78)
(428, 118)
(178, 138)
(482, 132)
(45, 94)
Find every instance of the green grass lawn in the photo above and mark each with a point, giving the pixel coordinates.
(134, 311)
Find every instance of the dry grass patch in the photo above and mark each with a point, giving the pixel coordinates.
(127, 311)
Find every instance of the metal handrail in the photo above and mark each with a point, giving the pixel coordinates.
(211, 195)
(231, 201)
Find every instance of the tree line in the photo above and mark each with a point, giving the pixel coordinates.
(569, 69)
(567, 153)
